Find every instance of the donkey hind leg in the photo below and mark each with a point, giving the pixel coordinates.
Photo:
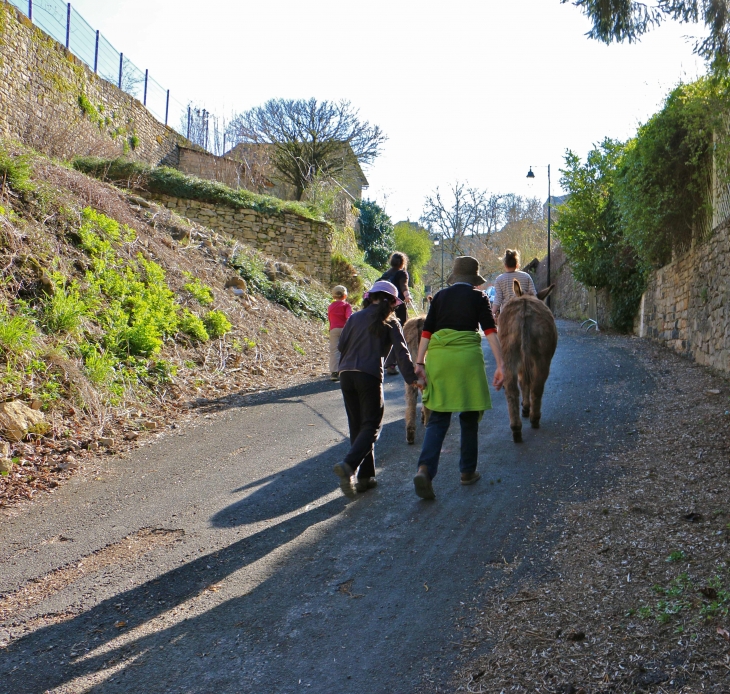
(512, 392)
(525, 390)
(538, 386)
(411, 402)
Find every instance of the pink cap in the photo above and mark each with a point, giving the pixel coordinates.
(384, 286)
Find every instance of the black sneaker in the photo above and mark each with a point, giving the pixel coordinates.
(334, 376)
(344, 472)
(363, 484)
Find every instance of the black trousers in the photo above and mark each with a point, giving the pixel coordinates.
(364, 404)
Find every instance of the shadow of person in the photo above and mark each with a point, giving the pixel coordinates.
(291, 489)
(235, 400)
(42, 660)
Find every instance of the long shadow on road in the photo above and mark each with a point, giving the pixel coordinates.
(363, 597)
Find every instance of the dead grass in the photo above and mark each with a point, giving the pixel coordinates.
(258, 354)
(637, 592)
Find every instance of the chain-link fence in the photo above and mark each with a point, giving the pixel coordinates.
(61, 21)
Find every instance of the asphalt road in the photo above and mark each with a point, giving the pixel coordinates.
(276, 582)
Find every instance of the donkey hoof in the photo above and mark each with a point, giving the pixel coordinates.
(517, 436)
(525, 412)
(410, 437)
(535, 423)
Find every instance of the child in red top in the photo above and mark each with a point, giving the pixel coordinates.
(338, 312)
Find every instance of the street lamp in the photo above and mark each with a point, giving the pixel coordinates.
(440, 242)
(530, 174)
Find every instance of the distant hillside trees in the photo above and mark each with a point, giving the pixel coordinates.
(309, 137)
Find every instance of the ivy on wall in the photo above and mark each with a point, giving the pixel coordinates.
(635, 205)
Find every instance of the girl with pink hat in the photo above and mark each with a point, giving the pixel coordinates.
(366, 340)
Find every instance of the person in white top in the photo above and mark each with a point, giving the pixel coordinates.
(504, 284)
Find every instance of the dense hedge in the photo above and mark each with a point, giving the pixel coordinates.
(164, 180)
(635, 205)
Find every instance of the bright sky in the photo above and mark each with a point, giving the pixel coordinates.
(468, 90)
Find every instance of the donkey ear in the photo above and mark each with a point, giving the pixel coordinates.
(544, 293)
(517, 288)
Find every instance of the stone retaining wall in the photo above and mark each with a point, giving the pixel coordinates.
(571, 299)
(687, 303)
(206, 165)
(42, 87)
(305, 243)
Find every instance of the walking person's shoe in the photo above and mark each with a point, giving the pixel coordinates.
(334, 376)
(470, 477)
(344, 472)
(363, 484)
(391, 371)
(422, 485)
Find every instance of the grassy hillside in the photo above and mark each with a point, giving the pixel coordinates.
(115, 317)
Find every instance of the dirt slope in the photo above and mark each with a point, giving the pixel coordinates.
(57, 318)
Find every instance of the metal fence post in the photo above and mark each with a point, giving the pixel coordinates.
(121, 67)
(30, 10)
(146, 76)
(68, 25)
(96, 54)
(189, 116)
(167, 106)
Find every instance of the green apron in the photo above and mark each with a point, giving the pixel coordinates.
(455, 373)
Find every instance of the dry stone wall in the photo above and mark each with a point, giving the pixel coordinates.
(50, 100)
(571, 299)
(687, 303)
(205, 165)
(305, 243)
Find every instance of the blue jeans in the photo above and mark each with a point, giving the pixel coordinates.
(438, 425)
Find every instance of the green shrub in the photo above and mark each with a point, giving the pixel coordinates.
(162, 371)
(217, 323)
(591, 233)
(91, 112)
(202, 293)
(100, 366)
(376, 233)
(251, 267)
(17, 333)
(299, 301)
(65, 309)
(345, 273)
(192, 326)
(166, 181)
(415, 241)
(15, 171)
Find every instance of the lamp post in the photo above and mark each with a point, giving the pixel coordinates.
(530, 174)
(440, 242)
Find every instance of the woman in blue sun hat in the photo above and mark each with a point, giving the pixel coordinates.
(367, 338)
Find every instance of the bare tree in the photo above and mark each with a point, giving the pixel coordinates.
(522, 226)
(460, 213)
(205, 129)
(307, 137)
